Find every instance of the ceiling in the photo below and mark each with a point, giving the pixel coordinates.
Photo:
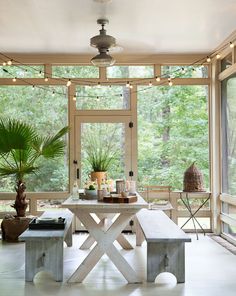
(140, 26)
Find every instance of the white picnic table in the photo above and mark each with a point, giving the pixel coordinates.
(104, 233)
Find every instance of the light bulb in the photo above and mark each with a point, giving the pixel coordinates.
(127, 84)
(218, 56)
(231, 45)
(4, 63)
(130, 86)
(46, 79)
(99, 85)
(158, 79)
(14, 79)
(53, 93)
(68, 83)
(150, 83)
(33, 87)
(74, 98)
(208, 59)
(170, 83)
(9, 63)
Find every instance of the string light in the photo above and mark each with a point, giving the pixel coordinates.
(128, 84)
(208, 59)
(68, 83)
(170, 82)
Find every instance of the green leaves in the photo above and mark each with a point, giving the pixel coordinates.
(100, 152)
(15, 135)
(21, 147)
(51, 147)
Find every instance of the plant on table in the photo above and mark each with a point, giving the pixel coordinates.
(100, 154)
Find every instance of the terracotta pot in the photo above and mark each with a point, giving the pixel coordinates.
(12, 227)
(99, 176)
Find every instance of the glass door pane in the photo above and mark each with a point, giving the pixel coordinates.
(103, 143)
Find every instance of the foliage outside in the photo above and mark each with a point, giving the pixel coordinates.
(173, 133)
(172, 129)
(229, 134)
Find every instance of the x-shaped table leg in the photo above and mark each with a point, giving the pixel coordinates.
(104, 245)
(105, 222)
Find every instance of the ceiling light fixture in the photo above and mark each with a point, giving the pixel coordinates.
(103, 43)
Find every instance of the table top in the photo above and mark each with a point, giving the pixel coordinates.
(102, 206)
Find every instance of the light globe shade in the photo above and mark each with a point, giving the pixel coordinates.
(103, 60)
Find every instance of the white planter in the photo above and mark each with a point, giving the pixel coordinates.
(90, 194)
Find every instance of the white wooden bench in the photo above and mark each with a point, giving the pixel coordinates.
(165, 244)
(44, 248)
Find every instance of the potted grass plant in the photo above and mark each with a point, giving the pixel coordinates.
(100, 155)
(20, 148)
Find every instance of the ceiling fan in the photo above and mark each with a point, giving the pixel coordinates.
(103, 43)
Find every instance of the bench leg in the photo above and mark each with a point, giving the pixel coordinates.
(166, 257)
(139, 233)
(68, 237)
(44, 255)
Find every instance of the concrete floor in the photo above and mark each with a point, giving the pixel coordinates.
(210, 271)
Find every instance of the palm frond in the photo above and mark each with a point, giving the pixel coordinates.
(15, 135)
(54, 146)
(14, 171)
(21, 146)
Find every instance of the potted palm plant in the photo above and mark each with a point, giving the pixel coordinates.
(20, 148)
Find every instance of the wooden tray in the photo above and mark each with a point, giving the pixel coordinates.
(128, 199)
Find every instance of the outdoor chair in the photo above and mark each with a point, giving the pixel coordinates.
(158, 197)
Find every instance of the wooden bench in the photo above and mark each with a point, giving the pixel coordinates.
(165, 244)
(44, 248)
